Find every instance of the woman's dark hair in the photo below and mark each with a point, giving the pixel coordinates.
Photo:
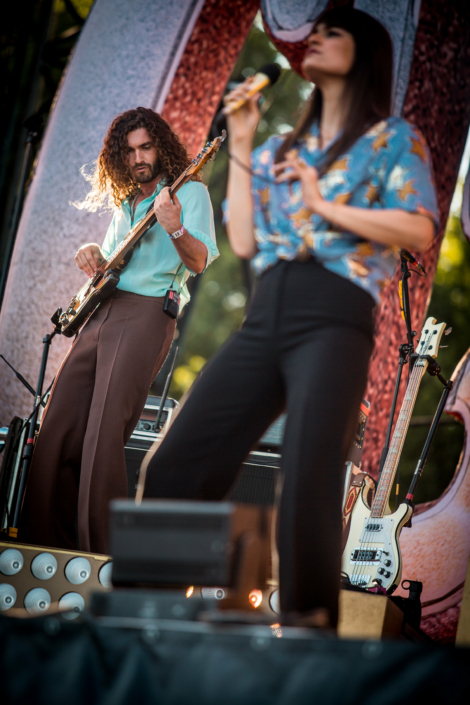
(368, 88)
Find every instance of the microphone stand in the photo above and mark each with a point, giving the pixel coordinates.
(407, 354)
(28, 449)
(405, 350)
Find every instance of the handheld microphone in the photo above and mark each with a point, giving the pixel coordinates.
(266, 76)
(412, 260)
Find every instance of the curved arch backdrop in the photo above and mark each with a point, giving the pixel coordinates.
(178, 63)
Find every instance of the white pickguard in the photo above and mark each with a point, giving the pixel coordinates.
(372, 553)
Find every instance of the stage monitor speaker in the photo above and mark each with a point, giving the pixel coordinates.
(36, 580)
(181, 543)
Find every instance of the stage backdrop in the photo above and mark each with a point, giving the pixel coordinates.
(139, 53)
(129, 53)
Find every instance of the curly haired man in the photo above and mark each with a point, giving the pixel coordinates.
(78, 463)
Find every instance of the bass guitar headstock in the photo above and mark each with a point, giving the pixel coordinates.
(430, 339)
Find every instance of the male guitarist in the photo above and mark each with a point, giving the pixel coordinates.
(78, 464)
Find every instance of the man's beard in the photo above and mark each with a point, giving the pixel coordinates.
(150, 173)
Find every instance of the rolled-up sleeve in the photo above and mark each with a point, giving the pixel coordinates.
(197, 216)
(109, 242)
(409, 183)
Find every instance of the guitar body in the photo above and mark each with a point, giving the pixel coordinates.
(373, 546)
(372, 558)
(86, 300)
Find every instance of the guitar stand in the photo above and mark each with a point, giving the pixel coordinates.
(28, 448)
(405, 351)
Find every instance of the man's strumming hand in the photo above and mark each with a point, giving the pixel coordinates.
(89, 258)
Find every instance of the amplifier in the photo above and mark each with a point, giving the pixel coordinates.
(259, 474)
(144, 434)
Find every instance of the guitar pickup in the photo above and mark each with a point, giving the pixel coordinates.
(366, 555)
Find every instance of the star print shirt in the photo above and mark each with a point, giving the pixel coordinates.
(387, 167)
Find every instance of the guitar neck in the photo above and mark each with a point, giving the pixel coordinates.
(139, 230)
(384, 488)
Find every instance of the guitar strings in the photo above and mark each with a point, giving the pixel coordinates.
(150, 214)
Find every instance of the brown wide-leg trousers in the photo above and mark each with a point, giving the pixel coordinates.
(78, 463)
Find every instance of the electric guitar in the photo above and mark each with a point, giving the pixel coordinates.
(371, 557)
(106, 277)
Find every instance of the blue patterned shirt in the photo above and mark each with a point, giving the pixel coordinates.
(387, 167)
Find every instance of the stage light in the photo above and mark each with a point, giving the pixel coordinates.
(210, 593)
(44, 566)
(71, 605)
(7, 597)
(37, 601)
(190, 591)
(78, 571)
(274, 602)
(256, 598)
(11, 561)
(105, 573)
(276, 630)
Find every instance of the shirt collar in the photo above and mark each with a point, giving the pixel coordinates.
(127, 201)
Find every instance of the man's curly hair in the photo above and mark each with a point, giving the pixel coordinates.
(111, 179)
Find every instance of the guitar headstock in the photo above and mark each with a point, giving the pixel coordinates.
(207, 153)
(430, 339)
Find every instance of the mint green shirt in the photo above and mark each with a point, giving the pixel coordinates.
(155, 260)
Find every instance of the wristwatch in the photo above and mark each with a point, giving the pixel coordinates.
(176, 234)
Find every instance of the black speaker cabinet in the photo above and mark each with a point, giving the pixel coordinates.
(259, 474)
(256, 483)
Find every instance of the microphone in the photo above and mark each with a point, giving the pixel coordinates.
(412, 260)
(266, 76)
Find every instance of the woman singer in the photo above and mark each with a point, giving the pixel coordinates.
(322, 214)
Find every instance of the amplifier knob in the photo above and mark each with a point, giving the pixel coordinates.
(71, 605)
(7, 597)
(37, 601)
(44, 566)
(11, 561)
(78, 570)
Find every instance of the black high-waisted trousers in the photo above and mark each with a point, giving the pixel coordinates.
(304, 347)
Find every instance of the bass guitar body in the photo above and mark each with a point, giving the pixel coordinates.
(86, 300)
(371, 557)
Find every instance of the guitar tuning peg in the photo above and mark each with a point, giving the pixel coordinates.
(447, 331)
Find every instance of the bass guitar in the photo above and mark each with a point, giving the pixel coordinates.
(371, 557)
(106, 277)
